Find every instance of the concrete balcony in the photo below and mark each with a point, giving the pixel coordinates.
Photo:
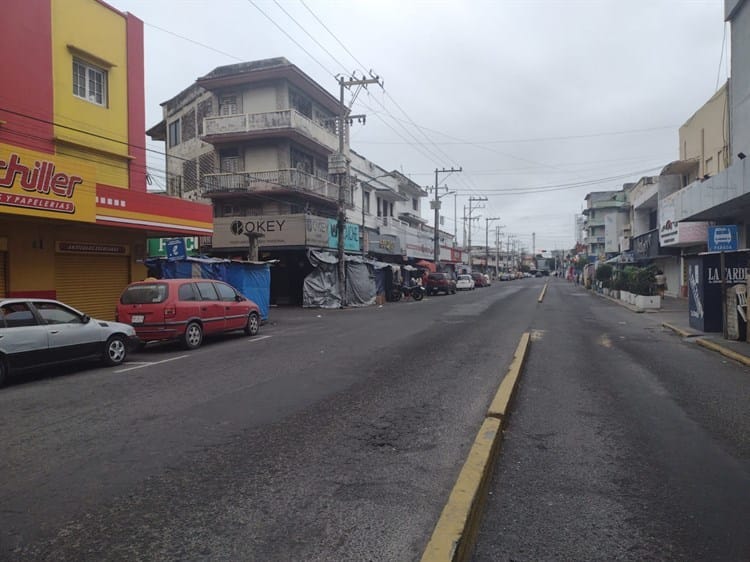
(725, 196)
(594, 240)
(391, 225)
(282, 181)
(284, 123)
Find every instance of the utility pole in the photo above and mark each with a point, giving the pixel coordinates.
(436, 206)
(497, 251)
(338, 164)
(471, 208)
(487, 241)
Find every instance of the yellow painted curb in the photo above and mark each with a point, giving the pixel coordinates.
(724, 351)
(454, 534)
(541, 295)
(499, 405)
(675, 329)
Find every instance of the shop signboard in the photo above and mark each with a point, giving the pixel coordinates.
(176, 249)
(351, 236)
(722, 238)
(384, 244)
(271, 231)
(157, 247)
(46, 185)
(704, 287)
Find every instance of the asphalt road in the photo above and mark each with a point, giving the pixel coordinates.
(626, 442)
(333, 435)
(338, 435)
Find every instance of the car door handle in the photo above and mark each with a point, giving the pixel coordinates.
(54, 331)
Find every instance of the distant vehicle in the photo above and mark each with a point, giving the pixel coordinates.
(505, 276)
(186, 309)
(479, 280)
(464, 283)
(487, 278)
(37, 333)
(440, 283)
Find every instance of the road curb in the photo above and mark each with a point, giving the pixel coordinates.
(541, 295)
(724, 351)
(455, 532)
(675, 329)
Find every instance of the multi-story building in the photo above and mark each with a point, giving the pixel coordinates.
(255, 139)
(75, 213)
(606, 222)
(718, 188)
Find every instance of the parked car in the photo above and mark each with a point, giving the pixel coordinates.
(505, 276)
(479, 280)
(464, 283)
(38, 333)
(440, 282)
(186, 310)
(488, 280)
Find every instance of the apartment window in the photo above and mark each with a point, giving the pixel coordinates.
(228, 105)
(174, 133)
(89, 82)
(415, 204)
(230, 160)
(366, 202)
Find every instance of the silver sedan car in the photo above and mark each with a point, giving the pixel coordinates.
(38, 333)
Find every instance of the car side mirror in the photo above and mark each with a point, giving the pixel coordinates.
(85, 318)
(239, 298)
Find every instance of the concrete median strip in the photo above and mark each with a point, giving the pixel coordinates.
(456, 530)
(544, 292)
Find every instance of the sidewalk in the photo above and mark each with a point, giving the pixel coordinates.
(673, 315)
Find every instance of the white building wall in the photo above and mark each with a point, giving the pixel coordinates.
(739, 85)
(260, 100)
(262, 158)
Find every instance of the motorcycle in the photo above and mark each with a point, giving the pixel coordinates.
(416, 292)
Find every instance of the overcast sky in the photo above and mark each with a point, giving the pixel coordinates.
(539, 101)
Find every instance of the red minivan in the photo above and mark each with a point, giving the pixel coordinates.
(186, 309)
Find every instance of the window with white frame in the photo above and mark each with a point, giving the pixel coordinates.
(89, 82)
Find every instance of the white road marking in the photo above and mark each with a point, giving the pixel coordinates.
(258, 338)
(149, 364)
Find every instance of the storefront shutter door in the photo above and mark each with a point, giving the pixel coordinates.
(90, 283)
(3, 275)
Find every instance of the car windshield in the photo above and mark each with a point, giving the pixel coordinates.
(144, 294)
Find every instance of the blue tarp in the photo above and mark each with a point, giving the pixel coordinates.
(251, 279)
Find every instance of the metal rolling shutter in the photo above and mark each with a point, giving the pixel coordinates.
(3, 275)
(91, 283)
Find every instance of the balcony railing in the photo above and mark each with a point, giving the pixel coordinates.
(287, 179)
(271, 121)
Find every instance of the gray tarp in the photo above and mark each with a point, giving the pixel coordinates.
(321, 286)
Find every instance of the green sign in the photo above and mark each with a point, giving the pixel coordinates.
(157, 247)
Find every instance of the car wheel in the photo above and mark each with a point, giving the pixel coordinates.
(193, 336)
(115, 350)
(253, 324)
